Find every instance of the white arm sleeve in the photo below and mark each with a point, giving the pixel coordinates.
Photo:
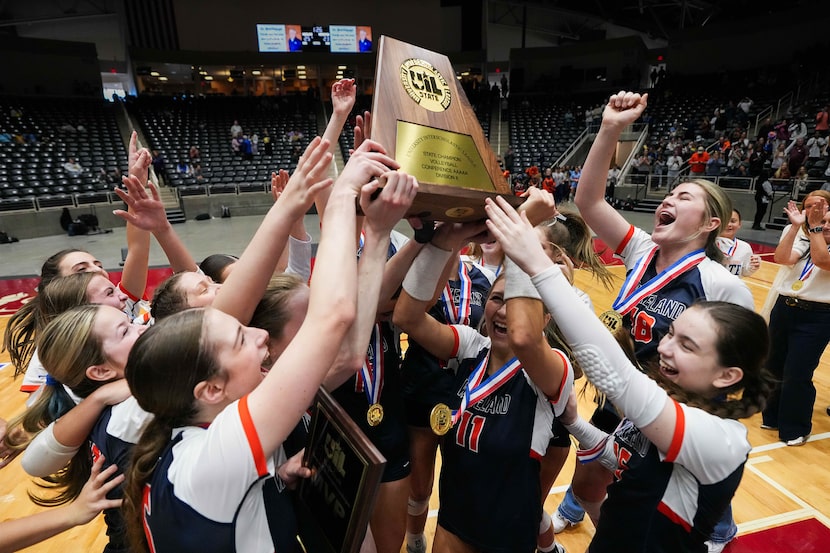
(422, 278)
(599, 355)
(299, 257)
(46, 455)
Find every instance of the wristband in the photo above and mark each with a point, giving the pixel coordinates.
(422, 278)
(425, 233)
(517, 283)
(816, 230)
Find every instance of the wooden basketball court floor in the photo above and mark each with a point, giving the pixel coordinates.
(781, 484)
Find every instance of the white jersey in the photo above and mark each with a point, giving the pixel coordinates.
(815, 284)
(737, 254)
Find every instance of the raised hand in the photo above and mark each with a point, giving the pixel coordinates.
(539, 206)
(278, 183)
(145, 211)
(362, 129)
(309, 177)
(138, 160)
(796, 217)
(624, 108)
(366, 164)
(394, 200)
(517, 237)
(343, 94)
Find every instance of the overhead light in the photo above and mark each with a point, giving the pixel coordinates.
(162, 78)
(230, 79)
(301, 67)
(202, 72)
(209, 77)
(256, 72)
(154, 73)
(341, 67)
(465, 73)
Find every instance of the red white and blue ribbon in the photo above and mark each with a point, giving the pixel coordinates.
(730, 251)
(371, 374)
(592, 454)
(476, 390)
(630, 295)
(808, 267)
(459, 314)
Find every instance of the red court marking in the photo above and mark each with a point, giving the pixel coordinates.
(806, 536)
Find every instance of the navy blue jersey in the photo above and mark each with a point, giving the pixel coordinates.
(214, 491)
(426, 381)
(490, 493)
(649, 321)
(659, 506)
(390, 436)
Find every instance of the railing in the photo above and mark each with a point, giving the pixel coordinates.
(575, 145)
(626, 167)
(789, 188)
(785, 99)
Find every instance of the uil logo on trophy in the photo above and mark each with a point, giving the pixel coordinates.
(424, 120)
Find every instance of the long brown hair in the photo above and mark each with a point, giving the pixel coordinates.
(176, 341)
(570, 232)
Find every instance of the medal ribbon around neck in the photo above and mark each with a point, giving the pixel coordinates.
(630, 295)
(808, 267)
(476, 390)
(461, 313)
(730, 251)
(371, 375)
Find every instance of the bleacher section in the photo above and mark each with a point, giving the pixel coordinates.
(37, 141)
(173, 125)
(539, 132)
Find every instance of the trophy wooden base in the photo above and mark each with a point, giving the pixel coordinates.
(456, 205)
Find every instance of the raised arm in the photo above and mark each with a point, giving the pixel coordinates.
(134, 275)
(623, 109)
(604, 363)
(419, 286)
(343, 94)
(146, 212)
(381, 216)
(332, 307)
(243, 288)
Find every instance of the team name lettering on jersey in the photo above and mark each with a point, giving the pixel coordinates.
(146, 509)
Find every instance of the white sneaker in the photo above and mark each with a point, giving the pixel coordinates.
(715, 546)
(560, 523)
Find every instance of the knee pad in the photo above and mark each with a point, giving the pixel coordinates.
(415, 508)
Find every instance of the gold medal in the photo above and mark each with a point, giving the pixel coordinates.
(440, 419)
(374, 416)
(611, 319)
(798, 285)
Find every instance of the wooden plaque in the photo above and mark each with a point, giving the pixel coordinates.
(423, 119)
(334, 505)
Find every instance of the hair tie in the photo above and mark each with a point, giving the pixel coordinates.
(51, 381)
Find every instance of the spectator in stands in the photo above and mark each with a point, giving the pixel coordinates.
(779, 157)
(236, 128)
(268, 143)
(5, 138)
(509, 158)
(294, 136)
(823, 121)
(73, 168)
(673, 166)
(658, 171)
(194, 153)
(103, 177)
(796, 155)
(783, 173)
(800, 180)
(816, 146)
(698, 161)
(255, 144)
(724, 146)
(159, 168)
(742, 113)
(714, 165)
(797, 129)
(611, 182)
(197, 172)
(548, 184)
(757, 159)
(236, 145)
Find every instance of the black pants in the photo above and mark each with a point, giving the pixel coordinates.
(760, 211)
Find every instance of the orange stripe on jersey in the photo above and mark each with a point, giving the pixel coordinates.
(253, 437)
(679, 431)
(674, 517)
(456, 342)
(127, 293)
(625, 240)
(29, 388)
(566, 367)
